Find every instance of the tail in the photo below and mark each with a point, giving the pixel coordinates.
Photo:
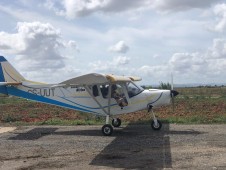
(8, 75)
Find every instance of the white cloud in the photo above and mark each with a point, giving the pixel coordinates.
(79, 8)
(220, 12)
(119, 47)
(153, 71)
(121, 60)
(186, 63)
(118, 65)
(208, 65)
(72, 44)
(181, 5)
(34, 40)
(37, 47)
(71, 9)
(155, 56)
(218, 50)
(196, 67)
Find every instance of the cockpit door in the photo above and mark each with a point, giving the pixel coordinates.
(119, 93)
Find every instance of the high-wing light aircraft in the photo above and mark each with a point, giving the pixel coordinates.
(101, 94)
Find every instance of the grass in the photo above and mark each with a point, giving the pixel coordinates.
(10, 100)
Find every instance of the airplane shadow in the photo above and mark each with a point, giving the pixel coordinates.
(139, 147)
(33, 134)
(134, 146)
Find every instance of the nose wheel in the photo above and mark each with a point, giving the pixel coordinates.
(155, 123)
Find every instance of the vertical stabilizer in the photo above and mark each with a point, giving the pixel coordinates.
(8, 74)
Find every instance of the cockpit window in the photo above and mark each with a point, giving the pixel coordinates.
(133, 89)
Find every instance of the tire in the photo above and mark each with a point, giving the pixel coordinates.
(116, 122)
(156, 127)
(107, 130)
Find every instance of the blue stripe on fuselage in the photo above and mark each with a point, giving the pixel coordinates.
(20, 93)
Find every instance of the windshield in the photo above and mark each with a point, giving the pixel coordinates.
(133, 89)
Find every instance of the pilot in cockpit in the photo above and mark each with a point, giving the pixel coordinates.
(120, 98)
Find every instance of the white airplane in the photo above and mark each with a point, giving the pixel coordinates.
(100, 94)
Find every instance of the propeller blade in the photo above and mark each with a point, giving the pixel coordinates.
(173, 93)
(171, 81)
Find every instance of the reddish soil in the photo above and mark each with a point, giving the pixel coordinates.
(27, 111)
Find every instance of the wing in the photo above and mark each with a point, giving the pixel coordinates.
(95, 78)
(88, 79)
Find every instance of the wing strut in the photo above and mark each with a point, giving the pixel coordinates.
(90, 93)
(107, 127)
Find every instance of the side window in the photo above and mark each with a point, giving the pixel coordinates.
(104, 90)
(95, 91)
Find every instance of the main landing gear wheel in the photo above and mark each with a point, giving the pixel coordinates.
(156, 125)
(107, 130)
(116, 122)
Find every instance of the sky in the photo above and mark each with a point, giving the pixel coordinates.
(55, 40)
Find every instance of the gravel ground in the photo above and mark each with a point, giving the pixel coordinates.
(130, 147)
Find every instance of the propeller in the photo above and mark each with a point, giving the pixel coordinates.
(173, 93)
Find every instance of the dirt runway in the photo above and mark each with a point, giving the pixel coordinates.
(130, 147)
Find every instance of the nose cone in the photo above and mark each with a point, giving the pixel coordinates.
(174, 93)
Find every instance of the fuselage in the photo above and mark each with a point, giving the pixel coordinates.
(78, 98)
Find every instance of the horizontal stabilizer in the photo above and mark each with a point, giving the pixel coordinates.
(10, 83)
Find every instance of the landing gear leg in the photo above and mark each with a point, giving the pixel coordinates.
(107, 129)
(155, 123)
